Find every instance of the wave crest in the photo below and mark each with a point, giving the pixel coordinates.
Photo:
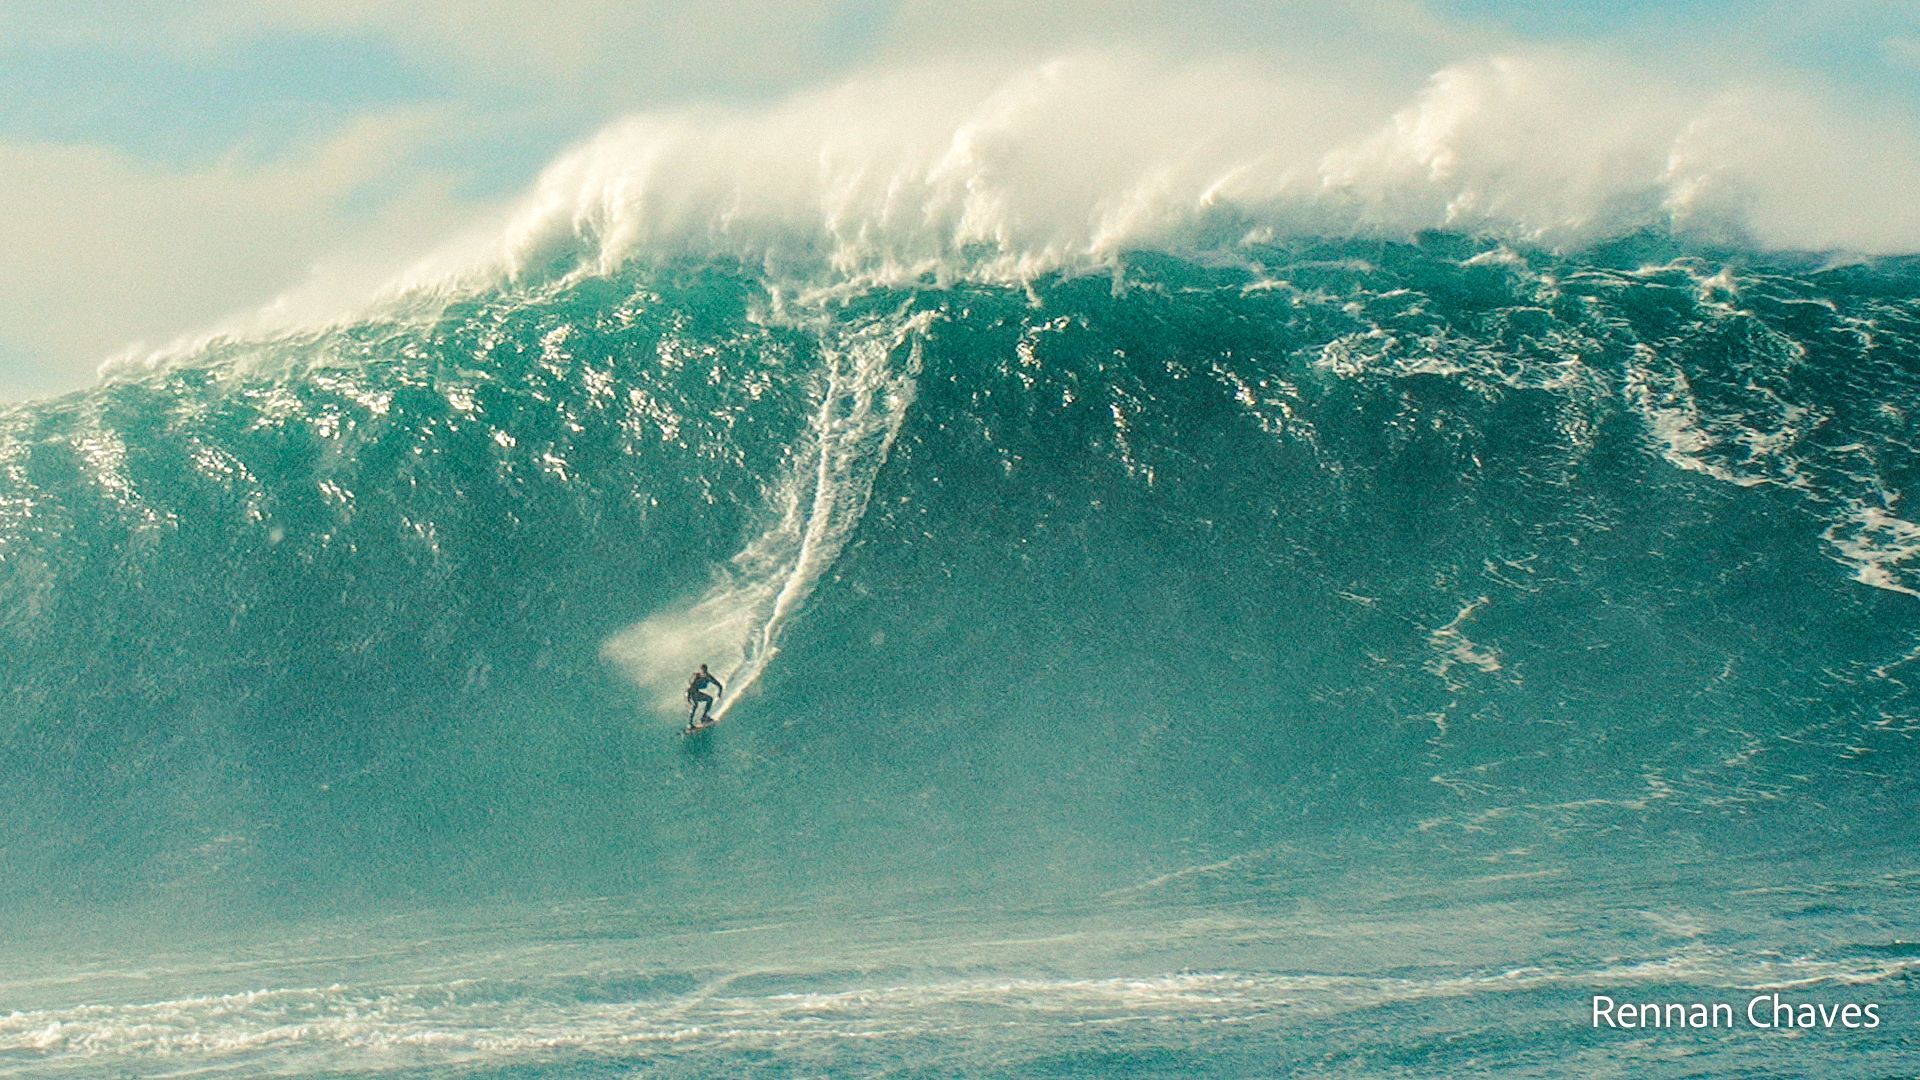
(1003, 175)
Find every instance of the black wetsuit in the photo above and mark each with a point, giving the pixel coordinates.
(695, 699)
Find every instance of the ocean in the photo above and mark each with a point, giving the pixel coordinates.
(1269, 653)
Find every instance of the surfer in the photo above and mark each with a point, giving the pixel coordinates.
(697, 696)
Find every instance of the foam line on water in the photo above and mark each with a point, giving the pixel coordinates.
(347, 1027)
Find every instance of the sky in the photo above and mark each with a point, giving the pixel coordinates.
(167, 163)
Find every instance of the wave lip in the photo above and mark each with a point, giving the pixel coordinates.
(1008, 174)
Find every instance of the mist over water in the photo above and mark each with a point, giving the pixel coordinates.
(1134, 621)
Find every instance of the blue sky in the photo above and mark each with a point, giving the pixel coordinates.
(166, 164)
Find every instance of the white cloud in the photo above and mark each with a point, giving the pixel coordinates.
(632, 53)
(1903, 50)
(105, 249)
(1365, 33)
(616, 53)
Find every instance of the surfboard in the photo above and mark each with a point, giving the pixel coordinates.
(694, 729)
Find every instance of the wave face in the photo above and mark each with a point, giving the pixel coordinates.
(1437, 545)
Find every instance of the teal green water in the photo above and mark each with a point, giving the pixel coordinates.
(1343, 657)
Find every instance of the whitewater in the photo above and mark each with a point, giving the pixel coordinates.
(1209, 580)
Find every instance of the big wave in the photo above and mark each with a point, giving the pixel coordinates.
(1074, 484)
